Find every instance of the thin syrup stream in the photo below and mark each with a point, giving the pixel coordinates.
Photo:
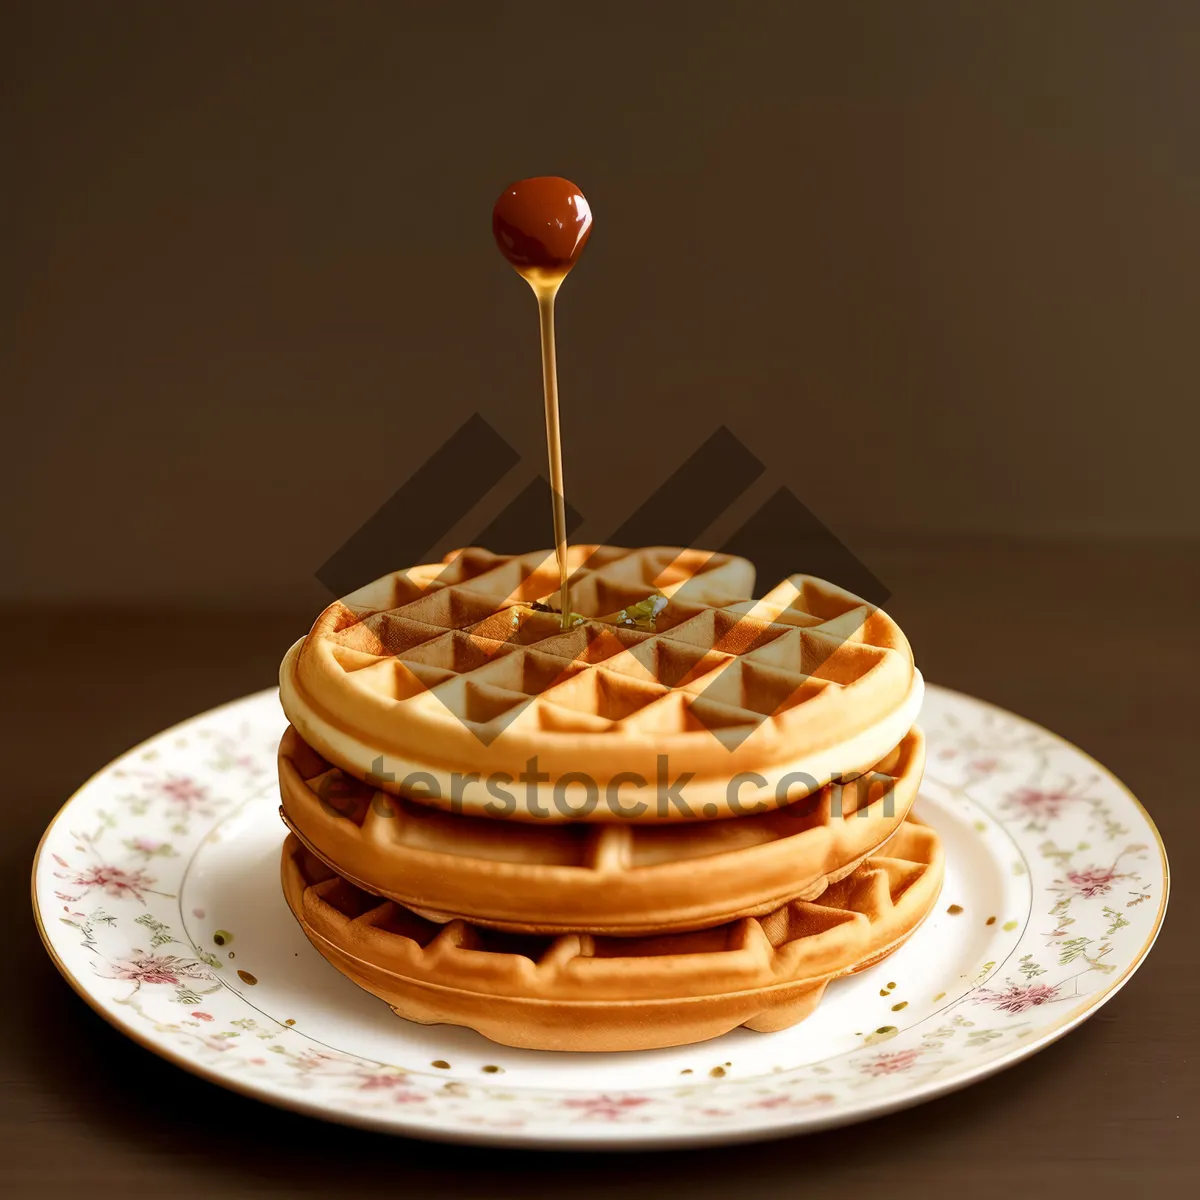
(541, 226)
(545, 299)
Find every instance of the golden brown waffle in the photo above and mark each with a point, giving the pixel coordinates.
(578, 992)
(616, 878)
(441, 682)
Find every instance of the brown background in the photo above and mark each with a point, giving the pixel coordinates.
(936, 264)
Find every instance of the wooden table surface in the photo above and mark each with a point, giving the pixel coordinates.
(1098, 642)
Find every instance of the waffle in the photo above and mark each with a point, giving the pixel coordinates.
(579, 992)
(617, 878)
(442, 682)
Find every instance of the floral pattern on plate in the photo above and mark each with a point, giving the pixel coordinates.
(119, 889)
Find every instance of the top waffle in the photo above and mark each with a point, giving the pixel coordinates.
(442, 682)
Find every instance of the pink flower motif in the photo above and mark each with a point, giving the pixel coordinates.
(202, 1016)
(156, 968)
(1095, 881)
(947, 754)
(114, 881)
(782, 1100)
(1036, 804)
(145, 845)
(985, 766)
(179, 789)
(606, 1108)
(891, 1064)
(1018, 997)
(312, 1060)
(382, 1080)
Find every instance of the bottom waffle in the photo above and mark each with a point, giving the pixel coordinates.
(581, 992)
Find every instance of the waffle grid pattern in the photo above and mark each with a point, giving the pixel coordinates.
(458, 638)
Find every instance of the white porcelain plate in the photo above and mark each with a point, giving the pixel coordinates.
(156, 890)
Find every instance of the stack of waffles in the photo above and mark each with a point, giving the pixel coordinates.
(678, 812)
